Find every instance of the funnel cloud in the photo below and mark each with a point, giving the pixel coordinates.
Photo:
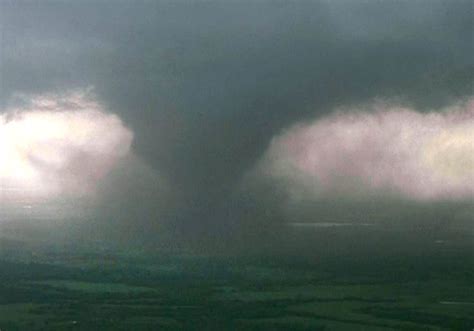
(208, 118)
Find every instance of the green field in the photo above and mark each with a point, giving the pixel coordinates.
(54, 289)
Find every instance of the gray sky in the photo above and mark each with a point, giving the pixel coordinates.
(205, 86)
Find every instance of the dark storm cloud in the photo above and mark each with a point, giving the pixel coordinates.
(206, 85)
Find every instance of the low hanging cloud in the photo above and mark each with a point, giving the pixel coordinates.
(58, 145)
(383, 150)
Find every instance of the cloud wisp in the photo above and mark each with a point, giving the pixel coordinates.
(386, 150)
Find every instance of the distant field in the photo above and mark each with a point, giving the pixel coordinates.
(48, 290)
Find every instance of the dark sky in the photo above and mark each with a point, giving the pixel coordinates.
(205, 86)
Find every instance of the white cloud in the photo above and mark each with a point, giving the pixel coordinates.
(381, 150)
(56, 145)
